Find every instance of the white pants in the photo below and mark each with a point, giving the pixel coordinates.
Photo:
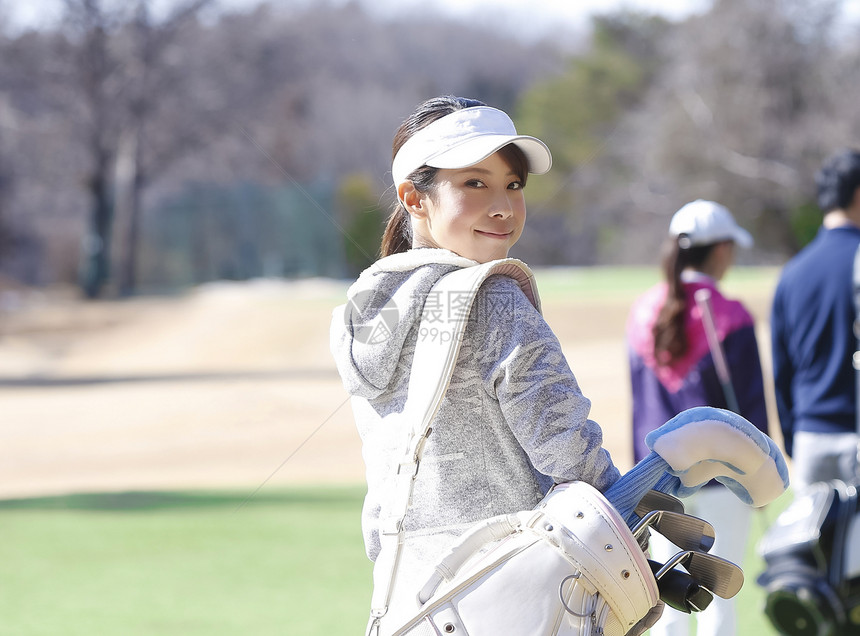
(822, 457)
(731, 520)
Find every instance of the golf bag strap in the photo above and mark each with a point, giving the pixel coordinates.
(489, 530)
(440, 335)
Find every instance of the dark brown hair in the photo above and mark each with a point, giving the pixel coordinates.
(670, 333)
(398, 229)
(837, 180)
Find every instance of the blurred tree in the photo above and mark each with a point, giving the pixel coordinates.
(6, 182)
(95, 74)
(6, 178)
(33, 143)
(127, 72)
(741, 113)
(578, 108)
(576, 113)
(135, 100)
(154, 77)
(363, 221)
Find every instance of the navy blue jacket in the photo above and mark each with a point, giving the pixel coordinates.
(813, 339)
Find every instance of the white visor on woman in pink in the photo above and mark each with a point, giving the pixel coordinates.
(464, 138)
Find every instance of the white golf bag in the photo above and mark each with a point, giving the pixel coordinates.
(569, 567)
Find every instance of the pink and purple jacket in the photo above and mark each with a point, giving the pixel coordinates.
(662, 391)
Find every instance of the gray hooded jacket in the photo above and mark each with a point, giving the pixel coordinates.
(512, 422)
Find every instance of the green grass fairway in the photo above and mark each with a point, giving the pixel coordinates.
(284, 562)
(625, 283)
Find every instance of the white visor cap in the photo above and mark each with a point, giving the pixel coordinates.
(464, 138)
(706, 222)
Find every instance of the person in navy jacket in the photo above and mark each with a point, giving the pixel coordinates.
(813, 339)
(672, 369)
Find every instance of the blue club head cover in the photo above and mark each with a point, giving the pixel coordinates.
(705, 443)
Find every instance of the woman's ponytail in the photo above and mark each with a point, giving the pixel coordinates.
(398, 232)
(670, 329)
(670, 334)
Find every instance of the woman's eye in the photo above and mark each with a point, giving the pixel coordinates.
(515, 185)
(475, 183)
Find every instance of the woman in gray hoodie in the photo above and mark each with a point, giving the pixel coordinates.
(513, 420)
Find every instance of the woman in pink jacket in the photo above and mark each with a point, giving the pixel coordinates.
(672, 369)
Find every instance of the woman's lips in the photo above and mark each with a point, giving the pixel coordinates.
(495, 235)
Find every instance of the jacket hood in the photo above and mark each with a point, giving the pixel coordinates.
(369, 331)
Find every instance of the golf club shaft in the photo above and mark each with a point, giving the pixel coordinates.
(703, 300)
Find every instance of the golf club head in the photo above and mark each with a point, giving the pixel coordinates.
(685, 531)
(679, 590)
(656, 500)
(714, 573)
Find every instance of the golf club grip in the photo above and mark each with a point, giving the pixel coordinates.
(680, 591)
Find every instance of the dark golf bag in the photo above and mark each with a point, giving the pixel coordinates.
(812, 557)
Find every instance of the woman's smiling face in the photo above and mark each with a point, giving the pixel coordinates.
(477, 212)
